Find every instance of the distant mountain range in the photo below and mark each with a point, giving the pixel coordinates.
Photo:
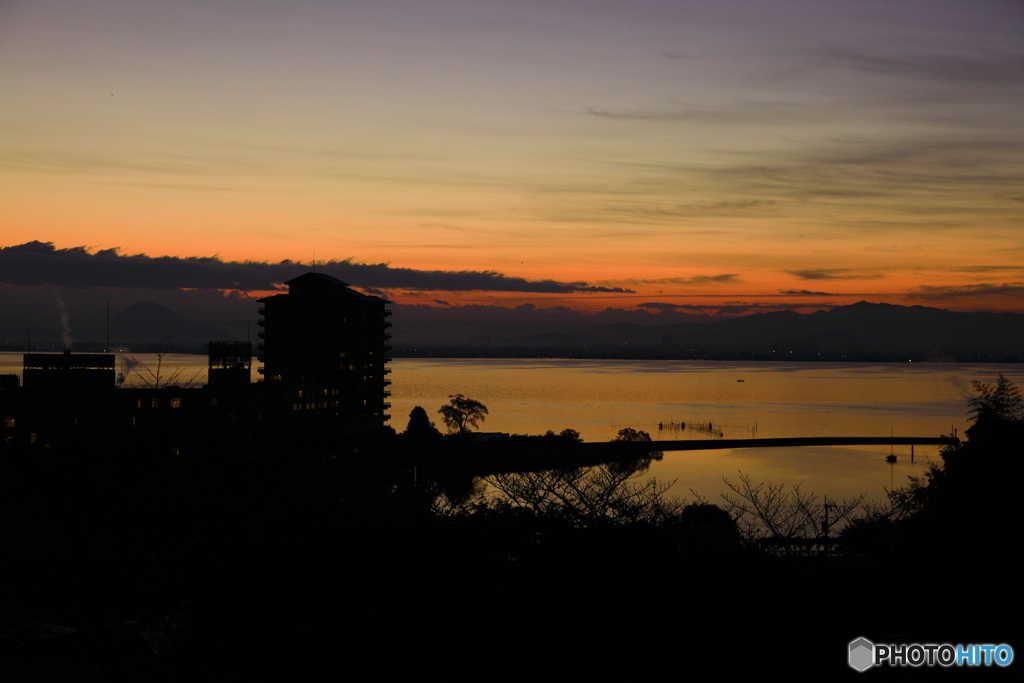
(143, 326)
(861, 331)
(146, 322)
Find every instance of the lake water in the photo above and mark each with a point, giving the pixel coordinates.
(599, 397)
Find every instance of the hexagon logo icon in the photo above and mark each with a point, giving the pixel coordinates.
(862, 654)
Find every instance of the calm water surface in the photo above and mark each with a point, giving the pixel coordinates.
(599, 397)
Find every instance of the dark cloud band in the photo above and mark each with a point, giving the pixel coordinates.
(730, 308)
(805, 292)
(36, 263)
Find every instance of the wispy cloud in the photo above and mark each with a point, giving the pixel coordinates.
(676, 54)
(979, 269)
(724, 278)
(804, 292)
(658, 306)
(979, 68)
(833, 274)
(935, 293)
(672, 211)
(735, 112)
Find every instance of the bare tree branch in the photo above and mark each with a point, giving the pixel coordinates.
(790, 522)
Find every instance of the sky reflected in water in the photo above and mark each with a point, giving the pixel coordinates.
(599, 397)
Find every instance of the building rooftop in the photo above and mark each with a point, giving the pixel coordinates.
(320, 282)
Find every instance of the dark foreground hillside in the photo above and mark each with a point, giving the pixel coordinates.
(131, 567)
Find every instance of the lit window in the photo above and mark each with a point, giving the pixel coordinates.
(213, 402)
(300, 393)
(341, 355)
(175, 402)
(8, 422)
(154, 403)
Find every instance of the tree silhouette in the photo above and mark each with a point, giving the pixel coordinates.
(1003, 400)
(630, 434)
(420, 425)
(566, 436)
(461, 413)
(790, 522)
(585, 496)
(641, 459)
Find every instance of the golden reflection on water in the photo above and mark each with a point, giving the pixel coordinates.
(597, 398)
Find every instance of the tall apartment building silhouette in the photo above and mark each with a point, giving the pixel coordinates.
(324, 345)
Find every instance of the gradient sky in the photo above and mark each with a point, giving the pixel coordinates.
(824, 151)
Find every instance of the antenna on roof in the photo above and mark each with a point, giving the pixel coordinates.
(314, 260)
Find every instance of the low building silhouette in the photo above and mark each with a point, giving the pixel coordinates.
(324, 346)
(82, 371)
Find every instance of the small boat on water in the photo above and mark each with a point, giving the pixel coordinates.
(741, 380)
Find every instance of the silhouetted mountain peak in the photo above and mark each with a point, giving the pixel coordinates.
(149, 313)
(146, 321)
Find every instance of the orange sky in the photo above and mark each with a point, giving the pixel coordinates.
(820, 152)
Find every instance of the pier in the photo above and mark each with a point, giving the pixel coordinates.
(503, 455)
(717, 444)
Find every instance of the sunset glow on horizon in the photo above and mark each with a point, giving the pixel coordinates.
(799, 154)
